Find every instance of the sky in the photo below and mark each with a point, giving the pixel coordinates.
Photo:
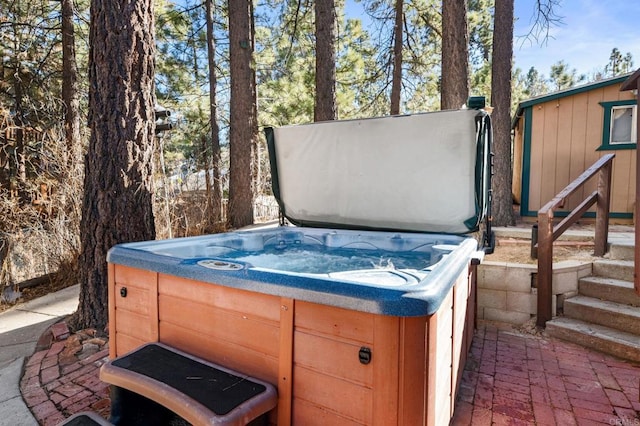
(590, 29)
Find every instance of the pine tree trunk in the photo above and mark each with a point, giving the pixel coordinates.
(205, 154)
(502, 207)
(70, 86)
(216, 196)
(117, 203)
(455, 56)
(396, 82)
(242, 118)
(255, 137)
(325, 107)
(20, 156)
(71, 177)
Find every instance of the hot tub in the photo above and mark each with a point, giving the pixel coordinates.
(361, 310)
(384, 273)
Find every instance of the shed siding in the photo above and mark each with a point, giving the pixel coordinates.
(518, 154)
(579, 128)
(566, 133)
(564, 144)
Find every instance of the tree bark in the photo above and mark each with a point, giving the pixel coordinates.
(21, 148)
(71, 156)
(117, 202)
(255, 137)
(455, 56)
(502, 206)
(242, 118)
(396, 82)
(70, 86)
(216, 196)
(325, 105)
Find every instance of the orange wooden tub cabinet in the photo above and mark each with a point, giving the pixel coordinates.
(385, 352)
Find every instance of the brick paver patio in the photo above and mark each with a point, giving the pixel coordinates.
(511, 378)
(517, 378)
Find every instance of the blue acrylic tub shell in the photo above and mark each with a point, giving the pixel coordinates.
(397, 292)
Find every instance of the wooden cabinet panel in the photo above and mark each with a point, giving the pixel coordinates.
(388, 369)
(335, 321)
(140, 278)
(333, 394)
(248, 302)
(134, 325)
(413, 362)
(443, 356)
(127, 343)
(133, 308)
(439, 349)
(327, 344)
(338, 359)
(135, 299)
(460, 292)
(308, 414)
(237, 328)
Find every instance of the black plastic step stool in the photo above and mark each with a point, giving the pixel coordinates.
(86, 418)
(201, 392)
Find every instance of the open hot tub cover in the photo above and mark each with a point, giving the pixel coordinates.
(424, 172)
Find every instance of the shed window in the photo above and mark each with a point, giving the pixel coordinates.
(620, 125)
(622, 128)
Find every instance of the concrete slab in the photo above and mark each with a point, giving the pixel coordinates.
(13, 411)
(52, 305)
(20, 329)
(22, 341)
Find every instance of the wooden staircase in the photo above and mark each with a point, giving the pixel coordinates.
(605, 315)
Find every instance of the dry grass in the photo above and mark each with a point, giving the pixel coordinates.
(519, 251)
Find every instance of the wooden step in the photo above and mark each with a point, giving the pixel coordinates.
(199, 391)
(598, 337)
(609, 289)
(617, 269)
(603, 312)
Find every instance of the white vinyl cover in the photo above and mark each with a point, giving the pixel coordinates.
(412, 172)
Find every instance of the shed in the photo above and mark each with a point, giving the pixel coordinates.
(559, 135)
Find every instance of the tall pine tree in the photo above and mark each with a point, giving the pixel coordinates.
(117, 204)
(243, 124)
(502, 207)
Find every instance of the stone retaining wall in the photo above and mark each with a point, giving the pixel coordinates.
(507, 293)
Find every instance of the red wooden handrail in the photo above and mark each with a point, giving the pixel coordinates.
(548, 233)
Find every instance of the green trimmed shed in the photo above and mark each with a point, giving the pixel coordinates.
(559, 135)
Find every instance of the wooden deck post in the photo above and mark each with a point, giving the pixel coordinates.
(602, 210)
(545, 267)
(633, 83)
